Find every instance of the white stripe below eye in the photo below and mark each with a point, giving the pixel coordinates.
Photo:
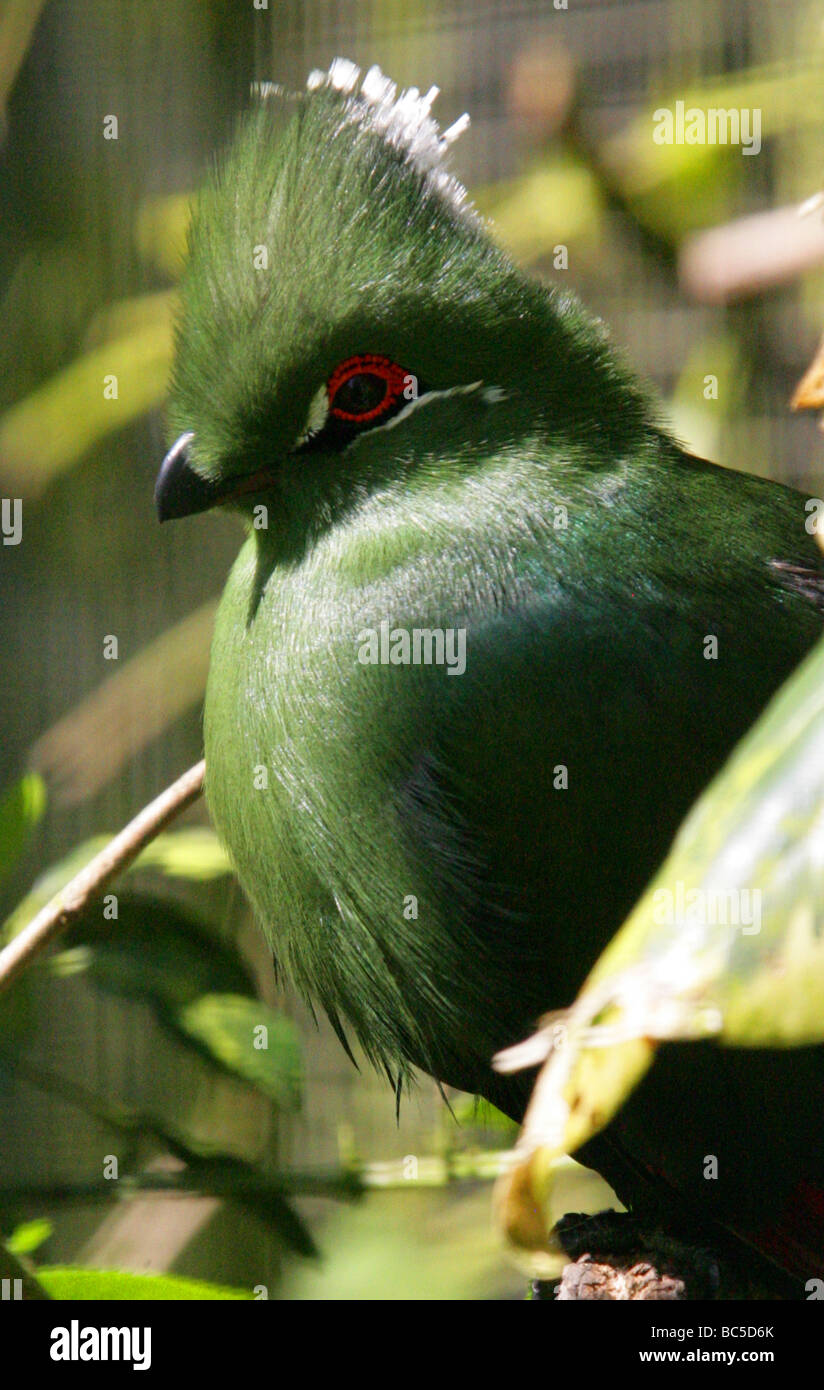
(491, 395)
(318, 412)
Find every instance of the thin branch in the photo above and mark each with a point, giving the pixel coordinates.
(73, 900)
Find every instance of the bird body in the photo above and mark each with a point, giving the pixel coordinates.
(523, 804)
(491, 631)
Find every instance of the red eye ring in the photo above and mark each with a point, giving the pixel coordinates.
(374, 365)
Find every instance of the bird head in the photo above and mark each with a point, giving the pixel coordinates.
(347, 321)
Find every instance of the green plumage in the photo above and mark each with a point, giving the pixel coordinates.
(415, 858)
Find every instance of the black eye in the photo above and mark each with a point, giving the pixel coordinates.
(360, 395)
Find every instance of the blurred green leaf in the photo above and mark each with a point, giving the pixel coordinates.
(786, 98)
(249, 1040)
(557, 201)
(674, 189)
(68, 1282)
(58, 423)
(20, 810)
(156, 951)
(474, 1112)
(161, 231)
(29, 1236)
(194, 853)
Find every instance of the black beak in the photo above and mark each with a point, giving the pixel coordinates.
(179, 491)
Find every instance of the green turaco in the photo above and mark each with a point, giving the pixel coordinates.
(489, 635)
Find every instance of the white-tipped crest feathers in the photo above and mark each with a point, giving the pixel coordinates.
(403, 119)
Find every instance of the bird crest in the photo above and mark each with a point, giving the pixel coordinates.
(403, 118)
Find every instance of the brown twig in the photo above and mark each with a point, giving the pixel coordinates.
(70, 903)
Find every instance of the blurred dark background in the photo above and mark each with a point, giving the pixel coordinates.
(560, 156)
